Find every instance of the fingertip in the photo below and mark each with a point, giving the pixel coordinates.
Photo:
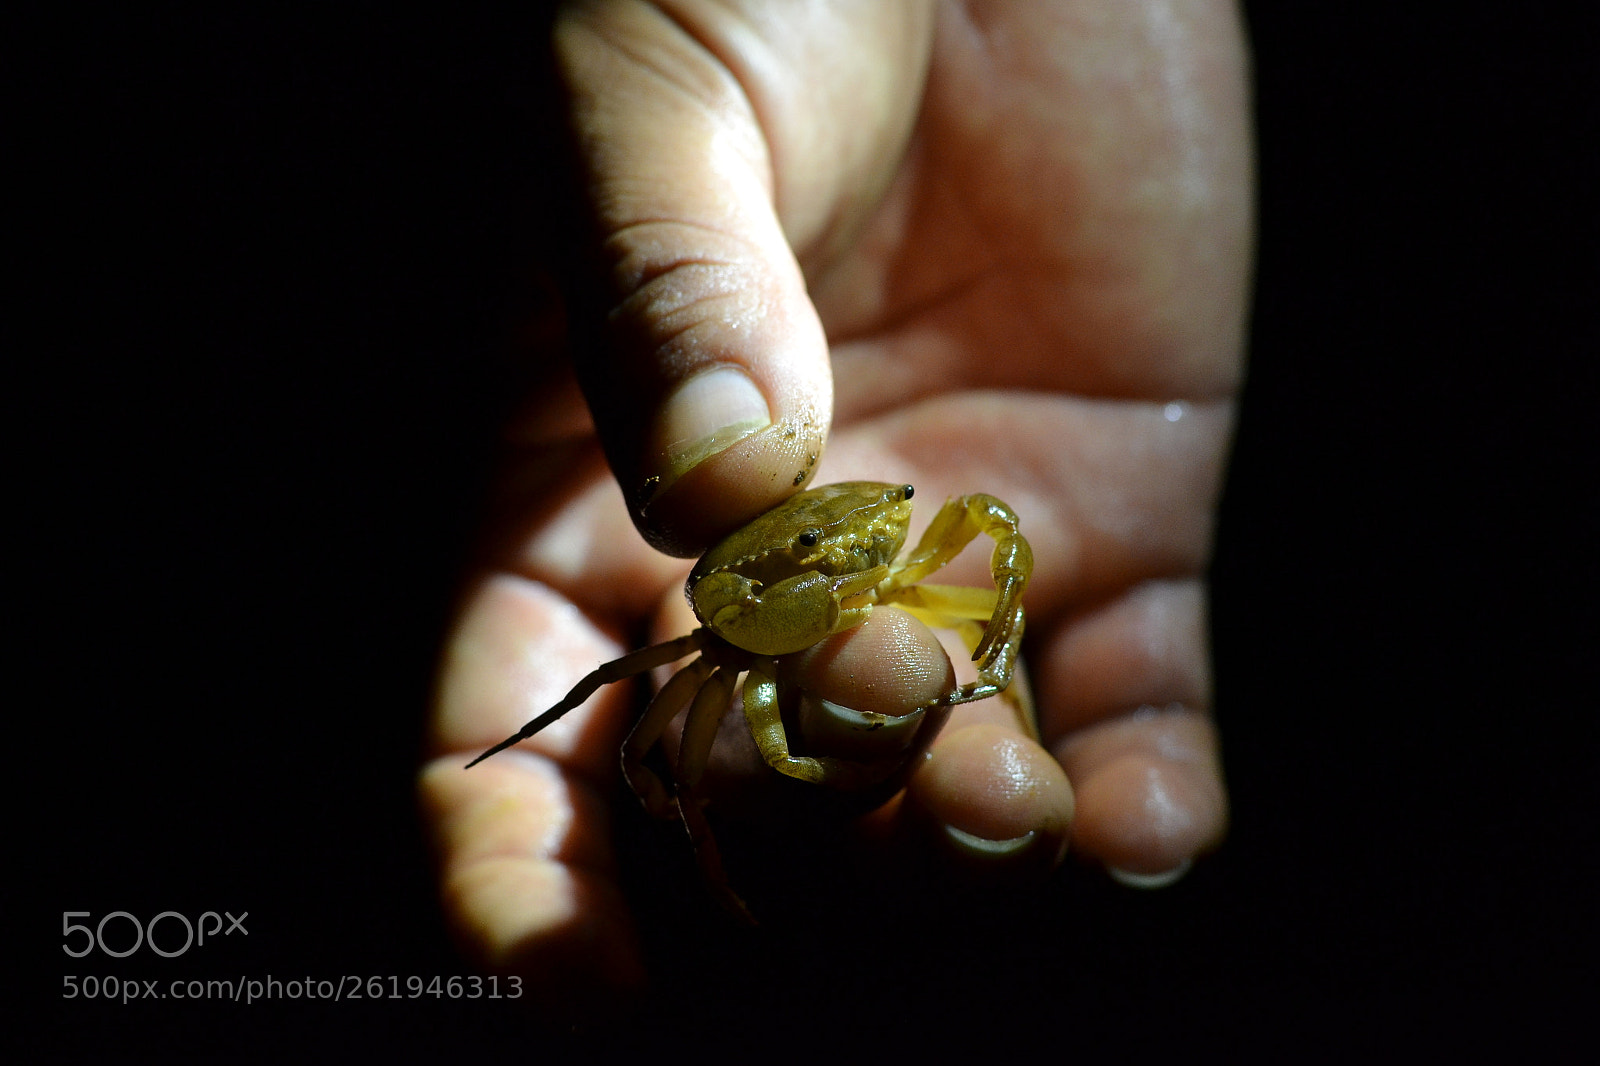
(1146, 818)
(526, 877)
(1150, 790)
(890, 664)
(996, 795)
(727, 485)
(869, 695)
(564, 931)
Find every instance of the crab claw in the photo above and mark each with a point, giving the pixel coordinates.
(786, 616)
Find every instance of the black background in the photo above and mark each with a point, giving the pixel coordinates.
(282, 266)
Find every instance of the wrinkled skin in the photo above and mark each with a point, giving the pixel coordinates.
(1024, 272)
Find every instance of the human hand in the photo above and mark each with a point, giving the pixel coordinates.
(1020, 235)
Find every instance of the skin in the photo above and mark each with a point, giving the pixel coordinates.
(996, 248)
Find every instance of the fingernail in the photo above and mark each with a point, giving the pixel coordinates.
(707, 414)
(863, 736)
(983, 848)
(1157, 880)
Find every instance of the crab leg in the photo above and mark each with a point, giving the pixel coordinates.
(673, 697)
(700, 728)
(994, 676)
(766, 727)
(694, 750)
(960, 608)
(952, 529)
(616, 670)
(945, 606)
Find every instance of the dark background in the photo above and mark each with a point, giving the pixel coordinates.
(282, 268)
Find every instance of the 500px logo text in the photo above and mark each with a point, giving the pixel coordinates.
(145, 933)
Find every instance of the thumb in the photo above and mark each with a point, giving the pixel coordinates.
(715, 142)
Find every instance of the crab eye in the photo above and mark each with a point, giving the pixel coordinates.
(808, 538)
(906, 492)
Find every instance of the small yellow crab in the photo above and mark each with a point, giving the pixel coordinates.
(809, 568)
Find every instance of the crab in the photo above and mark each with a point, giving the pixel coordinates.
(811, 567)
